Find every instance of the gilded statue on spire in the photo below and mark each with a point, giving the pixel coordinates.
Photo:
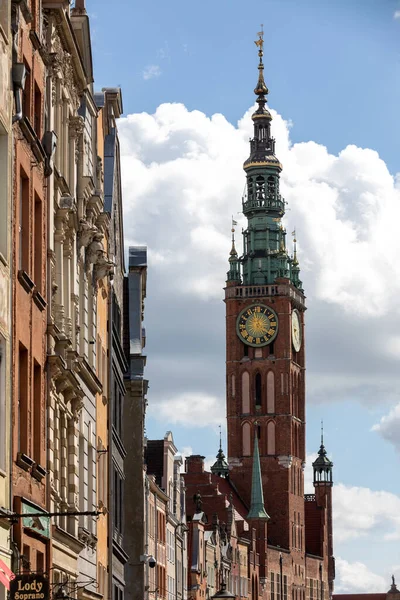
(260, 89)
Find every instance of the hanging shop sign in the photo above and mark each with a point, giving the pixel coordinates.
(29, 587)
(39, 524)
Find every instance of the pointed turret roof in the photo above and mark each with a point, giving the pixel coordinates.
(257, 509)
(220, 467)
(322, 465)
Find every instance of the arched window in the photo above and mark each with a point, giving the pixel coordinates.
(245, 393)
(271, 438)
(233, 386)
(270, 392)
(258, 388)
(270, 187)
(260, 190)
(246, 439)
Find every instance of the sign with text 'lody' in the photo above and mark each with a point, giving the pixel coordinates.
(29, 587)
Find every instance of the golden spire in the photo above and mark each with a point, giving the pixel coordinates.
(260, 89)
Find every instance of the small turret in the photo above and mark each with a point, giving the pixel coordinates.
(393, 592)
(322, 466)
(233, 274)
(220, 467)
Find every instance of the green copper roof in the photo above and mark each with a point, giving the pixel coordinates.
(257, 510)
(265, 257)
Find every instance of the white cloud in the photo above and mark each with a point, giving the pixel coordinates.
(389, 426)
(183, 179)
(151, 71)
(396, 14)
(358, 511)
(356, 578)
(189, 409)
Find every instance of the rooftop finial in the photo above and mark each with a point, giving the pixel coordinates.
(295, 261)
(233, 250)
(220, 437)
(260, 89)
(322, 432)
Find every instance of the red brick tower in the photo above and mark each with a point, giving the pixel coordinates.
(265, 308)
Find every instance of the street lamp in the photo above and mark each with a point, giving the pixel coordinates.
(223, 593)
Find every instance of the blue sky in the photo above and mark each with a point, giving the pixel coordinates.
(333, 70)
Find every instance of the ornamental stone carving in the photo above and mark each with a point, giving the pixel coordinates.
(95, 250)
(76, 126)
(86, 233)
(103, 268)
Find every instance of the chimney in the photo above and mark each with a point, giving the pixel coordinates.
(194, 464)
(79, 8)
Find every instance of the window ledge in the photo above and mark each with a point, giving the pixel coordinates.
(38, 472)
(39, 300)
(24, 461)
(25, 281)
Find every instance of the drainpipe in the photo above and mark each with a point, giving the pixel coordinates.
(321, 592)
(156, 543)
(146, 540)
(281, 569)
(110, 515)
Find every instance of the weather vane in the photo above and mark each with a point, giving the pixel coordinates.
(260, 41)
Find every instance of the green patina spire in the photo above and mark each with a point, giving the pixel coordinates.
(234, 266)
(265, 256)
(257, 510)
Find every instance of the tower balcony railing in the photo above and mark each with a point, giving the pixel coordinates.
(265, 145)
(268, 203)
(252, 291)
(260, 291)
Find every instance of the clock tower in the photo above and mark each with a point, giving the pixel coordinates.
(265, 356)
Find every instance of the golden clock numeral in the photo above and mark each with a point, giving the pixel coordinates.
(258, 341)
(250, 338)
(273, 323)
(271, 332)
(258, 309)
(245, 334)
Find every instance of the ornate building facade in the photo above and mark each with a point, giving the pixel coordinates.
(6, 111)
(165, 540)
(29, 289)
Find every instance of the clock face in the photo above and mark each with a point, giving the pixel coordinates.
(257, 325)
(296, 330)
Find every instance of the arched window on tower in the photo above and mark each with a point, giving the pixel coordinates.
(246, 439)
(245, 393)
(271, 438)
(258, 391)
(271, 187)
(233, 386)
(260, 190)
(270, 392)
